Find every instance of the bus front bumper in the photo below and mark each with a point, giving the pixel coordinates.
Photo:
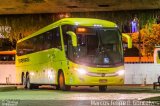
(95, 80)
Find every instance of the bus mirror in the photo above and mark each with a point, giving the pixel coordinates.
(73, 37)
(129, 40)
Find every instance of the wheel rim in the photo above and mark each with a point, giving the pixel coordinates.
(28, 84)
(24, 81)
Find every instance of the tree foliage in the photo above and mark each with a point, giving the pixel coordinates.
(149, 37)
(23, 25)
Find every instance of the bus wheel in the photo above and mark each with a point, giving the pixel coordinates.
(62, 85)
(29, 85)
(57, 87)
(102, 88)
(23, 79)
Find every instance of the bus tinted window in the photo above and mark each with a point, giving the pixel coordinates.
(47, 40)
(66, 28)
(56, 38)
(40, 42)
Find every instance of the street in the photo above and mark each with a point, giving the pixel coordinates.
(47, 96)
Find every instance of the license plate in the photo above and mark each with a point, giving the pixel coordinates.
(102, 80)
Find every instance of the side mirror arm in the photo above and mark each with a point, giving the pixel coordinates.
(73, 37)
(129, 40)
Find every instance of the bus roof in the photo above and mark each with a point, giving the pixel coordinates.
(73, 21)
(13, 52)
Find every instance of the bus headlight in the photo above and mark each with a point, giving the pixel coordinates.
(81, 71)
(120, 72)
(32, 73)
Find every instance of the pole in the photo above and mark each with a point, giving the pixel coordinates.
(139, 42)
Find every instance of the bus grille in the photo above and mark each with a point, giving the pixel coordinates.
(101, 74)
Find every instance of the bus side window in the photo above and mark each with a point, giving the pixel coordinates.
(48, 40)
(66, 37)
(22, 48)
(29, 47)
(34, 43)
(40, 42)
(57, 39)
(19, 49)
(23, 51)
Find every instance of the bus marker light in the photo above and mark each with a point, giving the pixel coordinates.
(120, 72)
(77, 23)
(97, 25)
(81, 71)
(81, 29)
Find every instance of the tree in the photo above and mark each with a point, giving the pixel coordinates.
(150, 36)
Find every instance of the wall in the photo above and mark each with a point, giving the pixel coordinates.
(135, 73)
(7, 74)
(141, 73)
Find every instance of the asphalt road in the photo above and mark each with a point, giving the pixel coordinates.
(81, 96)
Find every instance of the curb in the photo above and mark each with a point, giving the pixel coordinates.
(7, 88)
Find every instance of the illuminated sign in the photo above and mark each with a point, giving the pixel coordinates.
(81, 29)
(23, 60)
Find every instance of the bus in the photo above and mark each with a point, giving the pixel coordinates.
(7, 55)
(156, 55)
(72, 52)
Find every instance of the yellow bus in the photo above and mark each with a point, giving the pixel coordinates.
(72, 52)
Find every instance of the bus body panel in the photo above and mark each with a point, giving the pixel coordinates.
(43, 66)
(75, 78)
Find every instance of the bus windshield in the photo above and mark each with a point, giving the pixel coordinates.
(97, 46)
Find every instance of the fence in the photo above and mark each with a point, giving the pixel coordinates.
(139, 59)
(135, 73)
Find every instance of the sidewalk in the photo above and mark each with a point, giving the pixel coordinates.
(7, 87)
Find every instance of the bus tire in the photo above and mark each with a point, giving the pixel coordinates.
(57, 87)
(61, 81)
(23, 79)
(35, 86)
(102, 88)
(29, 85)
